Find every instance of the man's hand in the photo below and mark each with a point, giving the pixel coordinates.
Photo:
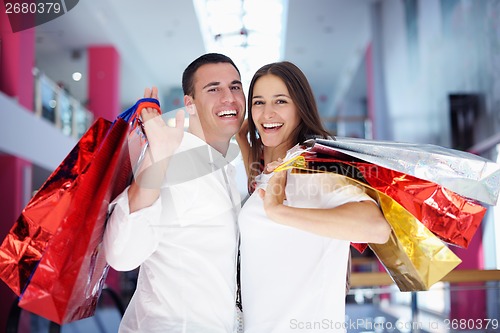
(163, 140)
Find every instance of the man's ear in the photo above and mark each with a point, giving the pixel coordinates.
(190, 106)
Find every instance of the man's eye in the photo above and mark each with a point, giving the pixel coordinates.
(236, 88)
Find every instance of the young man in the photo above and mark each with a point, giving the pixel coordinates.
(177, 220)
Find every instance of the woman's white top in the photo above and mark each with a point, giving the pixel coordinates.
(293, 280)
(185, 245)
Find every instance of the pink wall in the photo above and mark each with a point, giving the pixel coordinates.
(104, 81)
(17, 58)
(469, 304)
(104, 101)
(370, 89)
(11, 205)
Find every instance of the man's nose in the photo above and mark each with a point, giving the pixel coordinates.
(227, 95)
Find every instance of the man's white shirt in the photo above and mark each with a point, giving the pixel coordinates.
(185, 244)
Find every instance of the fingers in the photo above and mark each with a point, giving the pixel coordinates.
(273, 165)
(274, 194)
(245, 125)
(149, 113)
(147, 93)
(276, 186)
(243, 132)
(151, 92)
(179, 119)
(278, 177)
(277, 182)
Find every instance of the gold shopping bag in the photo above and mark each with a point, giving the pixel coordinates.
(413, 256)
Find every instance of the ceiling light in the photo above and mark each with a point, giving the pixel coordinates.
(77, 76)
(251, 32)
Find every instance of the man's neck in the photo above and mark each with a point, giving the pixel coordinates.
(220, 145)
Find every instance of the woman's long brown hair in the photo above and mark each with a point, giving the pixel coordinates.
(301, 93)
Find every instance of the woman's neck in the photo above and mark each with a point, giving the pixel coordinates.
(272, 154)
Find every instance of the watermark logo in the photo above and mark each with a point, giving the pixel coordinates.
(26, 14)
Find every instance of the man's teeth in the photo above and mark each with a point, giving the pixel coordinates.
(228, 113)
(272, 125)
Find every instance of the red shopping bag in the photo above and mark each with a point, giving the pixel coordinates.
(451, 217)
(23, 246)
(413, 256)
(464, 173)
(52, 256)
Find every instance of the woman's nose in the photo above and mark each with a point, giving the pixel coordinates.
(268, 111)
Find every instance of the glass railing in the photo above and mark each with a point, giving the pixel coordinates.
(465, 301)
(349, 126)
(57, 106)
(447, 307)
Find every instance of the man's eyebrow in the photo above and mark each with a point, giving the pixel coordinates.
(217, 83)
(210, 84)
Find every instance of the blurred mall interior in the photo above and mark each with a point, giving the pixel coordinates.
(410, 71)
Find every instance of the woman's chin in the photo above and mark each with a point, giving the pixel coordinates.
(271, 143)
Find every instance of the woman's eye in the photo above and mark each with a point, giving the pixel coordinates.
(280, 101)
(258, 103)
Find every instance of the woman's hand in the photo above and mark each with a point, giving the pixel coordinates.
(356, 221)
(242, 140)
(274, 194)
(241, 136)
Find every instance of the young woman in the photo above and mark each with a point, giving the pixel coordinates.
(295, 228)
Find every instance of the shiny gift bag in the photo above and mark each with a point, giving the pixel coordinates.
(52, 256)
(23, 246)
(451, 217)
(413, 256)
(464, 173)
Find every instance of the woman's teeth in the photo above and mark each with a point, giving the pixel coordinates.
(272, 125)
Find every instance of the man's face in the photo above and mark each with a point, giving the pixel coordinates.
(219, 101)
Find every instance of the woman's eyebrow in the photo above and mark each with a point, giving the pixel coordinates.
(274, 96)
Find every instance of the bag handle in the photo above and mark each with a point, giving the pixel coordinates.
(133, 113)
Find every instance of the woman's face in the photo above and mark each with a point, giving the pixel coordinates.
(274, 112)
